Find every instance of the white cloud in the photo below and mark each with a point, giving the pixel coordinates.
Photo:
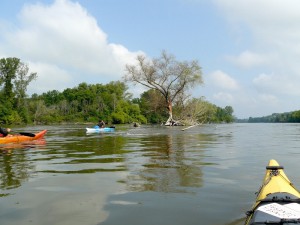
(271, 25)
(49, 76)
(62, 38)
(224, 97)
(223, 80)
(267, 34)
(259, 12)
(274, 24)
(277, 84)
(248, 59)
(269, 99)
(262, 79)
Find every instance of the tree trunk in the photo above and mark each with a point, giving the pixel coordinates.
(170, 121)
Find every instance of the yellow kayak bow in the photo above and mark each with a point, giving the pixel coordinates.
(277, 202)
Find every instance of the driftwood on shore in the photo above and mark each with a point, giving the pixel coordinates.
(171, 122)
(135, 124)
(190, 126)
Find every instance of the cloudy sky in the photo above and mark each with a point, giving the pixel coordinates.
(249, 50)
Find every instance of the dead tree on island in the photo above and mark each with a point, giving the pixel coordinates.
(165, 74)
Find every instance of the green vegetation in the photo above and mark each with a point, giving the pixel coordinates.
(90, 102)
(14, 79)
(288, 117)
(87, 103)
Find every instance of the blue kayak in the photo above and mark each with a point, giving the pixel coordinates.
(97, 129)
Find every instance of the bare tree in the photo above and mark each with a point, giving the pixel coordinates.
(165, 74)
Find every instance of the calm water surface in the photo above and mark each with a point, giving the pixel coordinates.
(149, 175)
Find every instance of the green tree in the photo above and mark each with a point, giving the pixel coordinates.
(197, 110)
(295, 117)
(228, 114)
(14, 80)
(152, 106)
(52, 97)
(21, 82)
(8, 71)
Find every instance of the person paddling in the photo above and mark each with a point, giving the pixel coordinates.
(4, 131)
(101, 124)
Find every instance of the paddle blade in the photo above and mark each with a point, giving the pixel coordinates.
(27, 134)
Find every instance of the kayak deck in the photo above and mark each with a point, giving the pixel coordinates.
(21, 138)
(278, 201)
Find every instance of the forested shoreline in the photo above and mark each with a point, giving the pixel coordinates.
(88, 103)
(287, 117)
(91, 102)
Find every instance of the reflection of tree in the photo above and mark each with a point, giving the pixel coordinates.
(168, 165)
(14, 169)
(96, 153)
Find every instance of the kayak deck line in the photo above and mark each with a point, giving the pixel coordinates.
(282, 221)
(275, 199)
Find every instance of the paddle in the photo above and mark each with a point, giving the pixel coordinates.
(8, 130)
(27, 134)
(23, 133)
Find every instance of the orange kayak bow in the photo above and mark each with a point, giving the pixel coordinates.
(21, 138)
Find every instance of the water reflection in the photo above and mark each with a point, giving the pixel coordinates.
(139, 176)
(81, 154)
(163, 163)
(239, 221)
(157, 159)
(157, 162)
(15, 164)
(165, 175)
(8, 148)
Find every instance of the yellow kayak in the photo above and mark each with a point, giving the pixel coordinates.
(277, 202)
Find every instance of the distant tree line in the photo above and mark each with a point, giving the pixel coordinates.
(90, 102)
(288, 117)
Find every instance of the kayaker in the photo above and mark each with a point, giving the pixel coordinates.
(4, 131)
(101, 124)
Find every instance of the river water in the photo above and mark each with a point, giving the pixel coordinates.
(150, 175)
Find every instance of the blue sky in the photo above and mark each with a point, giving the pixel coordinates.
(249, 50)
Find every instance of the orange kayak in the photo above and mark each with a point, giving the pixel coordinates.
(21, 138)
